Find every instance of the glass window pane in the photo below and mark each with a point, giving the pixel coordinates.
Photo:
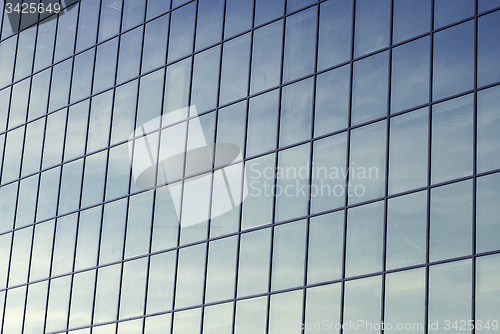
(87, 24)
(292, 191)
(411, 18)
(8, 199)
(326, 247)
(405, 299)
(452, 139)
(64, 247)
(129, 60)
(372, 26)
(4, 104)
(88, 238)
(25, 50)
(105, 64)
(190, 276)
(238, 17)
(156, 7)
(250, 316)
(5, 247)
(369, 88)
(118, 175)
(335, 33)
(113, 232)
(57, 310)
(59, 88)
(150, 93)
(205, 80)
(288, 255)
(77, 128)
(234, 75)
(133, 13)
(259, 179)
(12, 155)
(221, 270)
(300, 44)
(283, 308)
(487, 213)
(155, 43)
(218, 319)
(14, 310)
(262, 123)
(106, 329)
(39, 94)
(26, 203)
(487, 289)
(188, 322)
(453, 64)
(54, 139)
(362, 301)
(48, 194)
(230, 130)
(110, 17)
(451, 221)
(93, 179)
(410, 75)
(201, 133)
(21, 249)
(406, 230)
(130, 327)
(367, 163)
(209, 23)
(124, 112)
(253, 263)
(44, 44)
(329, 173)
(71, 181)
(35, 308)
(181, 39)
(139, 224)
(65, 42)
(488, 51)
(450, 293)
(484, 5)
(33, 147)
(266, 57)
(100, 118)
(133, 288)
(82, 298)
(158, 324)
(296, 112)
(364, 244)
(451, 11)
(42, 250)
(293, 5)
(18, 103)
(107, 293)
(408, 151)
(332, 101)
(177, 86)
(488, 136)
(166, 220)
(322, 308)
(267, 10)
(161, 282)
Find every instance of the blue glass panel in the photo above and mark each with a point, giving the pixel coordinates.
(410, 75)
(155, 44)
(209, 23)
(87, 24)
(411, 18)
(488, 53)
(181, 38)
(372, 26)
(451, 11)
(488, 123)
(296, 112)
(238, 17)
(59, 88)
(335, 32)
(109, 24)
(453, 60)
(267, 10)
(130, 55)
(487, 213)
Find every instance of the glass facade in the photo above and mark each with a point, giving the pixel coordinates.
(249, 166)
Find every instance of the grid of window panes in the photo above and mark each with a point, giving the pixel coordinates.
(369, 135)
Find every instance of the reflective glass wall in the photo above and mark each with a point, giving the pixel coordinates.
(249, 166)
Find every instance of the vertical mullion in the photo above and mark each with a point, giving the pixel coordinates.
(429, 170)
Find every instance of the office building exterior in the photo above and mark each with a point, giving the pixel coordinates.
(249, 166)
